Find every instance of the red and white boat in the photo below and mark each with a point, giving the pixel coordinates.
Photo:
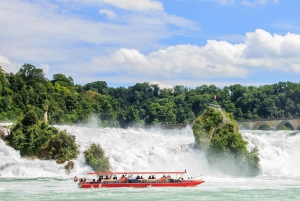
(137, 180)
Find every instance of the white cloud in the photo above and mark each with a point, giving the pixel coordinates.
(109, 13)
(226, 1)
(294, 68)
(43, 31)
(262, 45)
(140, 5)
(216, 59)
(258, 2)
(7, 65)
(45, 67)
(161, 85)
(288, 25)
(13, 67)
(135, 5)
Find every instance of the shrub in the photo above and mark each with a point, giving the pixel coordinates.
(95, 157)
(61, 147)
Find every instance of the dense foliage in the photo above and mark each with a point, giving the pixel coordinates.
(61, 147)
(36, 138)
(95, 157)
(143, 103)
(216, 133)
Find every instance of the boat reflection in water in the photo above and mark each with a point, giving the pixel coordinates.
(137, 180)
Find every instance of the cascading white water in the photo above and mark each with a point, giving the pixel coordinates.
(278, 151)
(154, 150)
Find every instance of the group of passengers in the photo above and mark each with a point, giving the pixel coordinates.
(151, 177)
(131, 179)
(139, 177)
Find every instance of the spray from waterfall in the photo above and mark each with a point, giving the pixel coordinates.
(137, 149)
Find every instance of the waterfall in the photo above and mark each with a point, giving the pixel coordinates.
(136, 149)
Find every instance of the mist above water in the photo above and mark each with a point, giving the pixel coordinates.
(136, 149)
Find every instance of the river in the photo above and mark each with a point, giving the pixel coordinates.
(155, 150)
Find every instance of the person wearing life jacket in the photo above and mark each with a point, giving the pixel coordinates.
(75, 179)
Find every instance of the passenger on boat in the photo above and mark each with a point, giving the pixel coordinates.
(149, 177)
(106, 177)
(164, 175)
(99, 180)
(152, 177)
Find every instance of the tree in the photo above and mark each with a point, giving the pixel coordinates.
(30, 74)
(154, 110)
(131, 115)
(98, 86)
(30, 118)
(62, 80)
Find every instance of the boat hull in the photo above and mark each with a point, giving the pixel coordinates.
(183, 183)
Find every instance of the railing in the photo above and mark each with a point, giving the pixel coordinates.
(269, 119)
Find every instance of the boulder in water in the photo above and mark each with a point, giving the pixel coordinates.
(216, 134)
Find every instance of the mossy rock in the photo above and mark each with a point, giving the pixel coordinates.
(95, 157)
(216, 133)
(60, 147)
(69, 166)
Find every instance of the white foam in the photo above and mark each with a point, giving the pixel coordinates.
(154, 150)
(278, 151)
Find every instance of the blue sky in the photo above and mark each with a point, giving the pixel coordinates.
(170, 42)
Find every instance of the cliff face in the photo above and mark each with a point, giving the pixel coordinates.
(216, 133)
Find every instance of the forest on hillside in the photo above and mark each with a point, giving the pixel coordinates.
(141, 104)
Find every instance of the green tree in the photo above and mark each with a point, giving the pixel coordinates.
(31, 75)
(98, 86)
(131, 115)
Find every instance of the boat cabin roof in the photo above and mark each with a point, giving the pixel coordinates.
(111, 173)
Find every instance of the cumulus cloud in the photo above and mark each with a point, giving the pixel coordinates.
(260, 50)
(176, 61)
